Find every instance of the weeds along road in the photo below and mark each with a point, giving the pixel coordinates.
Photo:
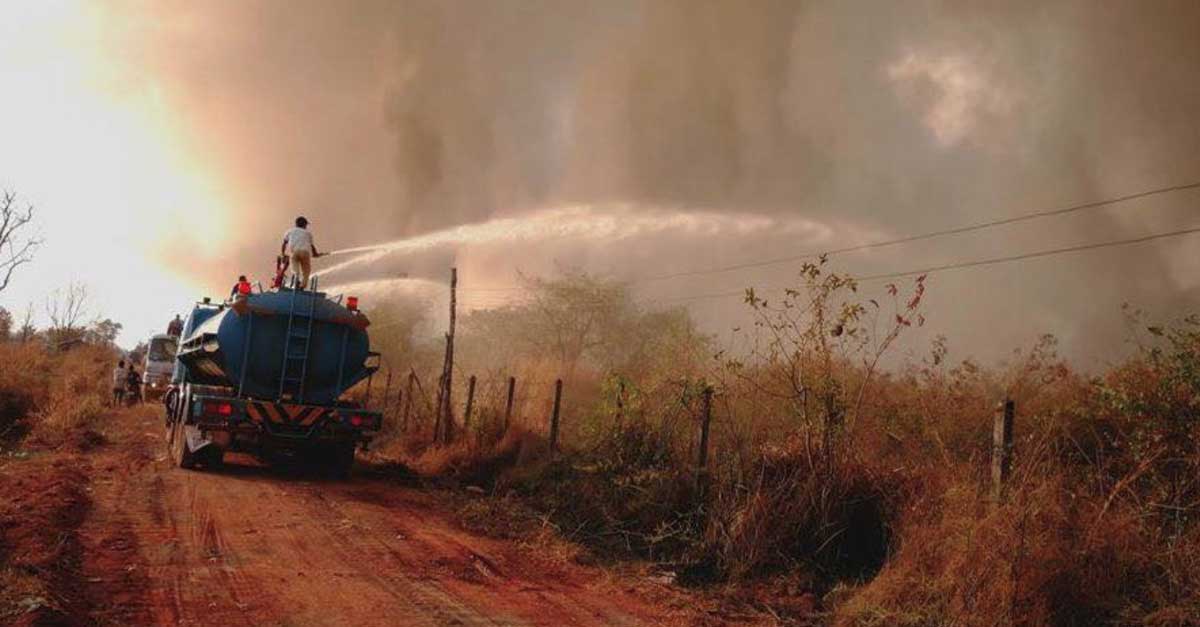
(248, 545)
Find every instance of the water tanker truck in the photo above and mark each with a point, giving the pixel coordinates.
(266, 374)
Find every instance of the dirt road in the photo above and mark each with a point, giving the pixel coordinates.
(249, 545)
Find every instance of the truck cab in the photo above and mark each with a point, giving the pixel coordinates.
(158, 365)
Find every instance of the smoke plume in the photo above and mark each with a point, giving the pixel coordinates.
(383, 120)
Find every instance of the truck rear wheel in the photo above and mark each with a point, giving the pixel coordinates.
(339, 461)
(178, 449)
(212, 457)
(181, 455)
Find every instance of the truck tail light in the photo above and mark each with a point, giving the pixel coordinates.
(218, 408)
(363, 421)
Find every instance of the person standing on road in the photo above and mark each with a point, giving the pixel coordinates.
(298, 241)
(119, 383)
(134, 381)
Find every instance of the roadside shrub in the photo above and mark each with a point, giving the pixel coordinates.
(800, 510)
(1045, 557)
(25, 371)
(51, 395)
(856, 478)
(627, 494)
(479, 462)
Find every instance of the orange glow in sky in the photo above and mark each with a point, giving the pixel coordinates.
(88, 141)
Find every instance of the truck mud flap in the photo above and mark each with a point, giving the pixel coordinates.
(195, 439)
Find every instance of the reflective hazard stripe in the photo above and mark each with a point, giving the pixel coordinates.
(301, 415)
(314, 414)
(272, 412)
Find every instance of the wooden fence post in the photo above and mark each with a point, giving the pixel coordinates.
(408, 398)
(512, 386)
(448, 419)
(441, 396)
(470, 403)
(399, 402)
(702, 481)
(1002, 445)
(620, 401)
(706, 418)
(554, 415)
(387, 391)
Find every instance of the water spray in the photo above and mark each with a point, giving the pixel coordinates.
(605, 223)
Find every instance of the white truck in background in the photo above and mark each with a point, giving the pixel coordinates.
(158, 365)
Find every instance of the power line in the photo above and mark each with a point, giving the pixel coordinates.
(884, 243)
(930, 235)
(958, 265)
(1033, 255)
(978, 262)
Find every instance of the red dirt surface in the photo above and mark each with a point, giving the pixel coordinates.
(125, 539)
(42, 502)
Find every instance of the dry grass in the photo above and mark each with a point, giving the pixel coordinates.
(1044, 558)
(52, 396)
(864, 488)
(892, 525)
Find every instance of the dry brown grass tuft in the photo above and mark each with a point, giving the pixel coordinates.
(52, 396)
(1045, 557)
(481, 463)
(830, 517)
(25, 372)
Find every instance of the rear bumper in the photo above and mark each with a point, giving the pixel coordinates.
(283, 421)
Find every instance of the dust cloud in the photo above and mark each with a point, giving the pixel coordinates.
(384, 120)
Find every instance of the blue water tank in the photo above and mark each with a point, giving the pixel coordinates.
(243, 346)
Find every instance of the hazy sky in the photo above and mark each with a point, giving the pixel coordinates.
(168, 144)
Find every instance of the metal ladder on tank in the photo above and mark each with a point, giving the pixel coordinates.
(296, 345)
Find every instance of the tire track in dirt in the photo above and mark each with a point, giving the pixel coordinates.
(421, 591)
(249, 545)
(148, 563)
(482, 572)
(491, 572)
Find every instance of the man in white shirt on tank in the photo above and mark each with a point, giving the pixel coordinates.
(298, 241)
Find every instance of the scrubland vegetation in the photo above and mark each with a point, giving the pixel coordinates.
(50, 395)
(862, 489)
(54, 385)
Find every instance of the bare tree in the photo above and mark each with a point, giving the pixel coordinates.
(16, 244)
(67, 307)
(27, 330)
